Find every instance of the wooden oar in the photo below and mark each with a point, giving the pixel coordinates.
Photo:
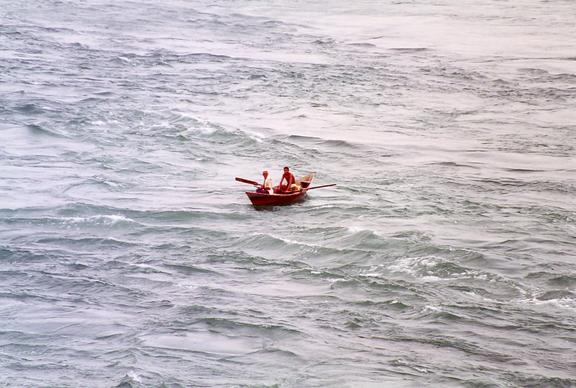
(247, 181)
(319, 187)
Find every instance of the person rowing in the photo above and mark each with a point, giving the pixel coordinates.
(266, 187)
(290, 182)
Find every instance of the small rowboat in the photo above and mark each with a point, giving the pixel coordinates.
(281, 199)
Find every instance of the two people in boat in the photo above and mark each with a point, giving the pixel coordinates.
(287, 183)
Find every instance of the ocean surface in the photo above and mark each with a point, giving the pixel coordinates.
(444, 257)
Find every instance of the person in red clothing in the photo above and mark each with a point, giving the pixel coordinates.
(290, 182)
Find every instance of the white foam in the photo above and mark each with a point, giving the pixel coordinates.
(563, 303)
(425, 268)
(96, 220)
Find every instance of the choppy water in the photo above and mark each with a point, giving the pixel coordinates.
(445, 256)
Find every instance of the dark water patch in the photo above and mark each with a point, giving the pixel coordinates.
(362, 45)
(14, 254)
(464, 347)
(248, 261)
(355, 321)
(453, 164)
(392, 304)
(324, 41)
(39, 130)
(187, 215)
(193, 311)
(90, 102)
(523, 170)
(567, 281)
(378, 287)
(186, 269)
(504, 182)
(29, 297)
(556, 295)
(87, 242)
(527, 380)
(541, 322)
(197, 57)
(74, 223)
(262, 329)
(78, 266)
(30, 108)
(409, 49)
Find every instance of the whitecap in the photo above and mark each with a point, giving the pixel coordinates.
(108, 219)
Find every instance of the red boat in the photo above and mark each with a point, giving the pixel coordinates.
(277, 199)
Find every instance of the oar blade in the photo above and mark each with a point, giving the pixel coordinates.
(248, 181)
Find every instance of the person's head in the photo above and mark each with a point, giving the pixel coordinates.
(286, 169)
(265, 173)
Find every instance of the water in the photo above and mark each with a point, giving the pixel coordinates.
(129, 256)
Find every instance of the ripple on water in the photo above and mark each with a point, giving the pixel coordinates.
(205, 342)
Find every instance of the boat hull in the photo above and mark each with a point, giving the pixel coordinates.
(261, 199)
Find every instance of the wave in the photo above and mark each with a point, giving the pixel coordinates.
(557, 298)
(68, 222)
(18, 254)
(410, 49)
(163, 57)
(544, 381)
(266, 329)
(84, 242)
(434, 268)
(39, 130)
(130, 380)
(86, 212)
(29, 108)
(98, 219)
(187, 269)
(454, 164)
(331, 143)
(267, 244)
(568, 281)
(556, 295)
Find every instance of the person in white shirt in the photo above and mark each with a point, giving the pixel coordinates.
(266, 186)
